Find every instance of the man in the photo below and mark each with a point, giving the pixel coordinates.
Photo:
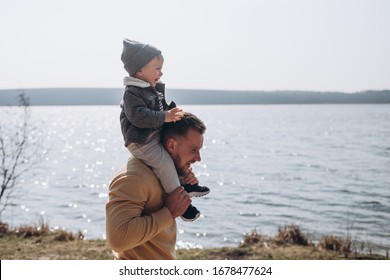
(140, 217)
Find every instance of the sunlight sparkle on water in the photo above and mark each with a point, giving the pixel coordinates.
(187, 245)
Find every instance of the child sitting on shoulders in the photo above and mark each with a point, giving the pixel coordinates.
(143, 112)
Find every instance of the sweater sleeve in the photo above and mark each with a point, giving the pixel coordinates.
(138, 113)
(126, 224)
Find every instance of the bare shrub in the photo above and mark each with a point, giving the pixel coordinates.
(20, 148)
(253, 238)
(335, 243)
(291, 234)
(65, 236)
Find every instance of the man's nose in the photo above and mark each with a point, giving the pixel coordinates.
(197, 156)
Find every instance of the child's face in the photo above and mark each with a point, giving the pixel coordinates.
(151, 72)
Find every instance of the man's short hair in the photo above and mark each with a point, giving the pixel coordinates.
(180, 128)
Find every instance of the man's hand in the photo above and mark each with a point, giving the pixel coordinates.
(173, 115)
(177, 202)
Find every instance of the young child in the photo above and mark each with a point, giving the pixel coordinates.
(144, 111)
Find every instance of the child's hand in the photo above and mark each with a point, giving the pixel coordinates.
(173, 115)
(190, 177)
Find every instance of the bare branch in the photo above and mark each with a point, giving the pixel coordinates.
(18, 150)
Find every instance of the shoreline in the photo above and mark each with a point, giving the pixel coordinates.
(41, 243)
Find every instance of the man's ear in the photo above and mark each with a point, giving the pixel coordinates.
(171, 144)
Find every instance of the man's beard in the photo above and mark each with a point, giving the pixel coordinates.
(181, 171)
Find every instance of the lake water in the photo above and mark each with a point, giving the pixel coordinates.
(325, 168)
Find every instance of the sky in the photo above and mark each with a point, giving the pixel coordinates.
(320, 45)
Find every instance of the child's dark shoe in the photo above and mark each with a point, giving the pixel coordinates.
(191, 214)
(196, 190)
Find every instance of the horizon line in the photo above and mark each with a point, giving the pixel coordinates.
(202, 89)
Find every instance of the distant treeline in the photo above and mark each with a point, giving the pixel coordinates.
(113, 96)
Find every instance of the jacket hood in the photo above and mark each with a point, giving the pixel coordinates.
(131, 81)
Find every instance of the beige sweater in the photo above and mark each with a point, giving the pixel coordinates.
(138, 226)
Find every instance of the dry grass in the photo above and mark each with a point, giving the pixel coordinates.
(4, 228)
(288, 235)
(291, 234)
(47, 248)
(40, 242)
(336, 244)
(38, 231)
(253, 238)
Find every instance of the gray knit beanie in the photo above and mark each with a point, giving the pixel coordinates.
(136, 55)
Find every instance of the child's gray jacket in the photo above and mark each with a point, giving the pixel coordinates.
(141, 114)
